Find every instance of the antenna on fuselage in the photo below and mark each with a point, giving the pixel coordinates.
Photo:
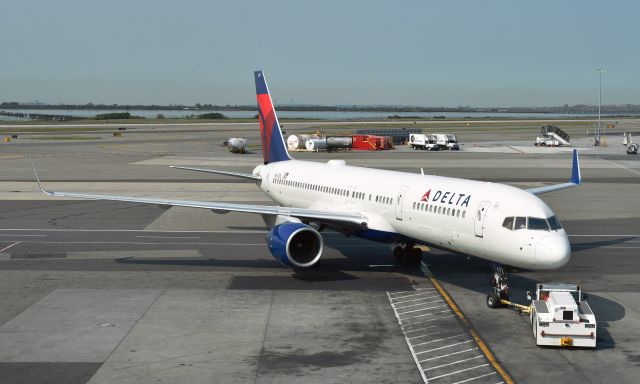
(422, 171)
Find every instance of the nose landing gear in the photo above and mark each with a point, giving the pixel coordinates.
(500, 286)
(407, 253)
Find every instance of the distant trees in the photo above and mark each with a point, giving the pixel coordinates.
(212, 115)
(116, 116)
(160, 116)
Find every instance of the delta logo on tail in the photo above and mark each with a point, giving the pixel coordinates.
(447, 197)
(273, 147)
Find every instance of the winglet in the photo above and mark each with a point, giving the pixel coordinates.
(576, 176)
(38, 178)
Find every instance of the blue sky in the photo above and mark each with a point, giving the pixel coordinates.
(435, 53)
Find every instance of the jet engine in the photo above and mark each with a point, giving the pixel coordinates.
(295, 244)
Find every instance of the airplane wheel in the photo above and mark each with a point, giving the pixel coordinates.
(493, 301)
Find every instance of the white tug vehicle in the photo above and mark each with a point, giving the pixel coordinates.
(561, 317)
(559, 313)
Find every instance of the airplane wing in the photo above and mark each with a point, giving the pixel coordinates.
(348, 218)
(236, 174)
(576, 179)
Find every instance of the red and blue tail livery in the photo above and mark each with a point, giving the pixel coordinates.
(273, 145)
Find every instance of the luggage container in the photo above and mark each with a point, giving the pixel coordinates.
(367, 143)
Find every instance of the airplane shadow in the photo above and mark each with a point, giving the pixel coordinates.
(577, 247)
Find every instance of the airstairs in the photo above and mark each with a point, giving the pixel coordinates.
(555, 133)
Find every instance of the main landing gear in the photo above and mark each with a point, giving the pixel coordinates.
(407, 253)
(500, 286)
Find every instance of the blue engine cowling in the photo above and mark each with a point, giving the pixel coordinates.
(295, 244)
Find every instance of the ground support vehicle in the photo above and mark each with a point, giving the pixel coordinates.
(421, 141)
(552, 136)
(559, 313)
(560, 316)
(447, 141)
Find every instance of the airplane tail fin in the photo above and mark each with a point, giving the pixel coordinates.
(273, 145)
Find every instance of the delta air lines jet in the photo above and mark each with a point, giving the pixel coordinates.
(496, 222)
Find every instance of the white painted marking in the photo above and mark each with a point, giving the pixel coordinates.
(12, 245)
(446, 346)
(426, 321)
(413, 353)
(421, 329)
(415, 305)
(169, 237)
(478, 377)
(123, 230)
(459, 371)
(412, 300)
(427, 314)
(10, 235)
(425, 289)
(415, 294)
(604, 235)
(624, 167)
(450, 354)
(426, 334)
(139, 243)
(455, 362)
(603, 246)
(380, 265)
(421, 309)
(436, 340)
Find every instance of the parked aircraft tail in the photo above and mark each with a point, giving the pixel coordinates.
(273, 145)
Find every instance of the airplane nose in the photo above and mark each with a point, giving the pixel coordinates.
(553, 251)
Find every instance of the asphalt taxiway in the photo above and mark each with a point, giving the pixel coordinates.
(106, 292)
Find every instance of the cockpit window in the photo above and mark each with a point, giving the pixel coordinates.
(521, 223)
(538, 224)
(508, 223)
(554, 223)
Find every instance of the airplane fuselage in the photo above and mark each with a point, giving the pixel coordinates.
(466, 216)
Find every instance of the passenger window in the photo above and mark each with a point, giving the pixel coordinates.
(508, 223)
(538, 224)
(464, 213)
(521, 223)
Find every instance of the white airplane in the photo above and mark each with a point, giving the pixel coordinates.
(496, 222)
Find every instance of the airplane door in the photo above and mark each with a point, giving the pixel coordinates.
(480, 216)
(399, 201)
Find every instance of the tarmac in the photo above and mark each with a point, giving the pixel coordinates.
(105, 292)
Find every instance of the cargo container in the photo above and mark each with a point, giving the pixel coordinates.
(370, 142)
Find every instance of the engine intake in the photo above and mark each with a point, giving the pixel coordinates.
(295, 244)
